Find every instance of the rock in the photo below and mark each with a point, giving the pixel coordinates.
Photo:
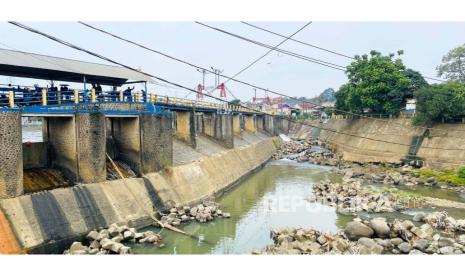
(311, 198)
(418, 217)
(106, 243)
(113, 230)
(77, 246)
(404, 247)
(380, 227)
(461, 239)
(226, 215)
(447, 250)
(416, 252)
(420, 244)
(128, 235)
(341, 245)
(369, 246)
(425, 231)
(443, 242)
(408, 224)
(94, 245)
(93, 236)
(115, 247)
(356, 230)
(118, 238)
(125, 250)
(321, 240)
(93, 251)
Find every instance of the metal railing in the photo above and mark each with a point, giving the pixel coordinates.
(13, 97)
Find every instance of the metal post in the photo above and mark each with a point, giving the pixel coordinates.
(44, 96)
(11, 97)
(76, 96)
(92, 95)
(145, 92)
(85, 89)
(137, 96)
(121, 96)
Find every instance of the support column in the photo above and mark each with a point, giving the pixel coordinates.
(260, 122)
(185, 127)
(77, 146)
(249, 123)
(220, 128)
(269, 125)
(156, 142)
(91, 147)
(127, 139)
(237, 130)
(11, 154)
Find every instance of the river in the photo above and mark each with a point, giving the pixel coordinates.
(275, 196)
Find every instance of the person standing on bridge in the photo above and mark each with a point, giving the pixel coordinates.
(128, 93)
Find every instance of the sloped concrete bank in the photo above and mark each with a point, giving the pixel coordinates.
(402, 139)
(47, 222)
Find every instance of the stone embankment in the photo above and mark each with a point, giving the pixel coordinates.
(376, 236)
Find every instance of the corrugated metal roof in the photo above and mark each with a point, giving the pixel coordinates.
(23, 64)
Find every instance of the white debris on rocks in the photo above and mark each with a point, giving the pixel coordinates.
(366, 237)
(109, 241)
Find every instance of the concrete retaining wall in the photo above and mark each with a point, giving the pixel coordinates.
(35, 155)
(49, 221)
(401, 135)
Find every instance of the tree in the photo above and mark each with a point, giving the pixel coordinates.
(235, 102)
(416, 82)
(439, 101)
(377, 84)
(453, 65)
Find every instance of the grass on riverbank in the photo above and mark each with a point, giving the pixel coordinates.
(449, 176)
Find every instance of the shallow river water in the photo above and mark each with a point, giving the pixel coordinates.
(275, 196)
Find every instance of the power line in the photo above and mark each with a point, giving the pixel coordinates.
(264, 55)
(298, 41)
(299, 56)
(181, 86)
(318, 47)
(231, 78)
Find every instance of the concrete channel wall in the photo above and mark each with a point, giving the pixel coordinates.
(347, 139)
(48, 221)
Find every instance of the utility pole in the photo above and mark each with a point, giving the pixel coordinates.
(217, 73)
(204, 72)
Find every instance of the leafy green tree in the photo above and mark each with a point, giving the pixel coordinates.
(235, 102)
(376, 83)
(453, 65)
(416, 82)
(439, 101)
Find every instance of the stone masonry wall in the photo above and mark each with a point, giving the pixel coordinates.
(11, 154)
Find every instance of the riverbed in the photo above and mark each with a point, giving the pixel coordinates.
(275, 196)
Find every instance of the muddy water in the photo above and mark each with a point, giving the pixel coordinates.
(273, 197)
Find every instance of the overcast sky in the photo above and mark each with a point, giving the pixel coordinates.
(423, 43)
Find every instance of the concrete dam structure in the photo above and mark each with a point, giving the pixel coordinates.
(180, 157)
(390, 140)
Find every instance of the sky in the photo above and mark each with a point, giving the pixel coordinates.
(423, 43)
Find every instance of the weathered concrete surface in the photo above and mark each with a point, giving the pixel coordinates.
(35, 155)
(91, 141)
(237, 129)
(219, 127)
(77, 146)
(185, 127)
(126, 136)
(194, 181)
(11, 154)
(249, 123)
(157, 142)
(269, 125)
(442, 137)
(399, 134)
(8, 242)
(53, 219)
